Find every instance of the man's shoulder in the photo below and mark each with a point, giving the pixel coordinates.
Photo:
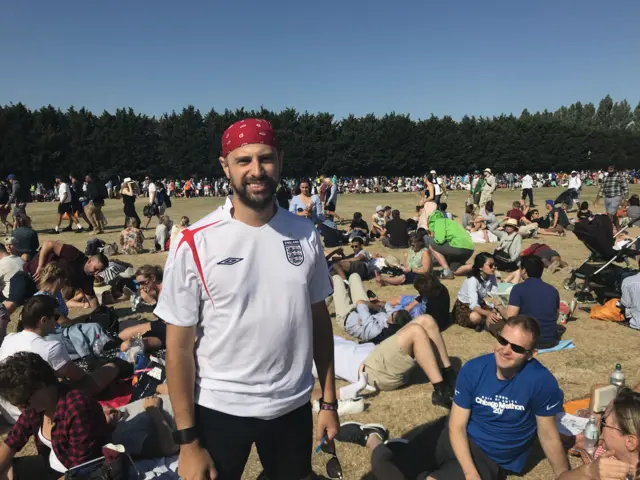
(538, 373)
(479, 363)
(633, 279)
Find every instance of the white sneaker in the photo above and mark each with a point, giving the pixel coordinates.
(345, 407)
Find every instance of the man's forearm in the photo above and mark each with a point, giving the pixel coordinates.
(553, 449)
(181, 376)
(323, 352)
(460, 445)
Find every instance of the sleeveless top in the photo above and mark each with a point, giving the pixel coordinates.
(414, 259)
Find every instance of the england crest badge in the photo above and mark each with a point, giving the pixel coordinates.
(294, 252)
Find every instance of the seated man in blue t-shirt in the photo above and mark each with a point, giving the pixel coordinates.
(536, 299)
(502, 400)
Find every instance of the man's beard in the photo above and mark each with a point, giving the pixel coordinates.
(251, 200)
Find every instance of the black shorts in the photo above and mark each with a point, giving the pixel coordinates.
(456, 257)
(34, 466)
(21, 288)
(77, 207)
(330, 207)
(65, 208)
(430, 453)
(360, 268)
(284, 444)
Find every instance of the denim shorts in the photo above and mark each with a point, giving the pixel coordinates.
(611, 204)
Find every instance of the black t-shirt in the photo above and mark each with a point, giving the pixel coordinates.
(398, 231)
(438, 307)
(563, 220)
(359, 225)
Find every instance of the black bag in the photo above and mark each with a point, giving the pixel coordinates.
(148, 381)
(150, 210)
(107, 318)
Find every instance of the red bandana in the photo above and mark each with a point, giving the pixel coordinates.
(246, 132)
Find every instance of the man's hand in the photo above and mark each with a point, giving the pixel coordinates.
(493, 317)
(328, 424)
(610, 468)
(36, 276)
(195, 463)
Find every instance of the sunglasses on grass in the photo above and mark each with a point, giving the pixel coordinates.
(516, 348)
(334, 469)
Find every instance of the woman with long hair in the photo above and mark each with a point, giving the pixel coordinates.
(306, 204)
(129, 191)
(52, 281)
(470, 310)
(428, 201)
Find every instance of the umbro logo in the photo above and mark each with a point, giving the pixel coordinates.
(230, 261)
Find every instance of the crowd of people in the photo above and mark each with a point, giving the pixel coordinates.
(242, 325)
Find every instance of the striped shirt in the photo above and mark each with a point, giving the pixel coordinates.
(614, 185)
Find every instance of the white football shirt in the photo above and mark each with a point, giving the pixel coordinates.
(249, 290)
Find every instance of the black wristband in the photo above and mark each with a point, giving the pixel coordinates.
(333, 407)
(186, 435)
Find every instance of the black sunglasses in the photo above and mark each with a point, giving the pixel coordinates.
(516, 348)
(334, 469)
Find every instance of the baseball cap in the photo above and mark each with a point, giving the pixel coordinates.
(433, 171)
(573, 171)
(550, 202)
(488, 170)
(11, 176)
(379, 208)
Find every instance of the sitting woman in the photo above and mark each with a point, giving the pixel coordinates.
(417, 262)
(487, 220)
(469, 217)
(52, 280)
(508, 250)
(132, 238)
(68, 426)
(378, 223)
(306, 205)
(620, 441)
(149, 279)
(633, 211)
(163, 234)
(584, 214)
(470, 309)
(176, 229)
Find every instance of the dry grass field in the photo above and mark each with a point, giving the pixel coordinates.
(599, 345)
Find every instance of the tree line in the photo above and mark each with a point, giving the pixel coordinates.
(38, 144)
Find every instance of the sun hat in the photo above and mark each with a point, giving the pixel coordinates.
(391, 261)
(379, 208)
(488, 170)
(127, 180)
(510, 222)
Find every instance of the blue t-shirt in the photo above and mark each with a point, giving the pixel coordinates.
(503, 412)
(419, 309)
(541, 301)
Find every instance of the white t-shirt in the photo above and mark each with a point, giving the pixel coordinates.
(53, 352)
(8, 267)
(527, 182)
(152, 192)
(437, 188)
(575, 182)
(64, 194)
(249, 290)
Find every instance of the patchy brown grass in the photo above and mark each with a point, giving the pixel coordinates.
(599, 345)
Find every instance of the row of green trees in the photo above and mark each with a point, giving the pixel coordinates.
(37, 144)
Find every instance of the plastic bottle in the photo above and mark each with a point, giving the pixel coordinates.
(98, 346)
(591, 436)
(617, 377)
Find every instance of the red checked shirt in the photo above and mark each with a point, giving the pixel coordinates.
(78, 434)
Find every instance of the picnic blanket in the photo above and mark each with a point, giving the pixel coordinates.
(562, 345)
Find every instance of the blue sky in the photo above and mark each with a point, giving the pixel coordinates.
(418, 57)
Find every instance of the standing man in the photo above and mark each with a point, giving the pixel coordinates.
(331, 200)
(438, 186)
(65, 206)
(488, 187)
(77, 197)
(476, 188)
(247, 286)
(614, 188)
(16, 198)
(527, 189)
(576, 184)
(93, 209)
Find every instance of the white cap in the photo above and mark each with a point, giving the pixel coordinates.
(433, 171)
(127, 180)
(379, 207)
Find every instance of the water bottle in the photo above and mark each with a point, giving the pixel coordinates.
(98, 346)
(617, 377)
(591, 436)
